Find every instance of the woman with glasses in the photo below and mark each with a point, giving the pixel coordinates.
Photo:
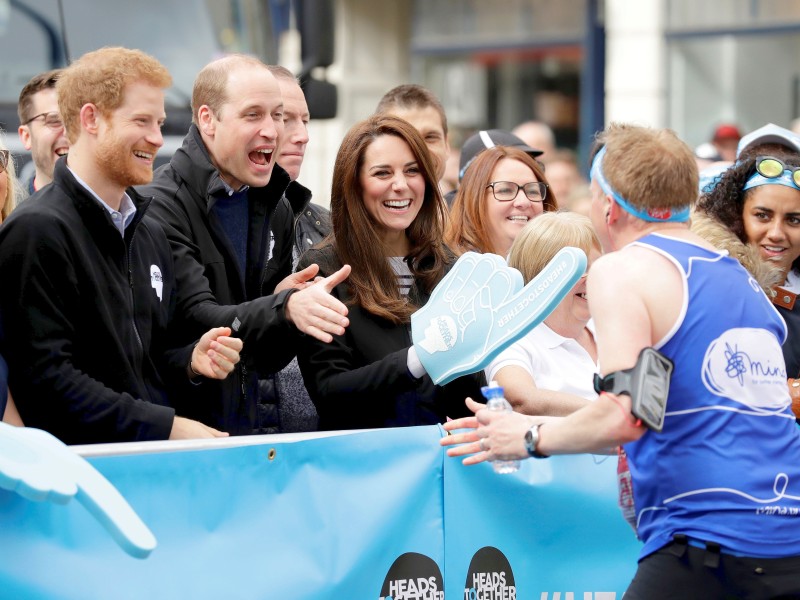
(758, 199)
(502, 191)
(551, 370)
(388, 223)
(8, 183)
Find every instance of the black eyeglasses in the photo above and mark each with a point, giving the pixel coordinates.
(51, 120)
(506, 191)
(5, 156)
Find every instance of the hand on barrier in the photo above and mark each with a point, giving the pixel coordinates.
(481, 307)
(40, 467)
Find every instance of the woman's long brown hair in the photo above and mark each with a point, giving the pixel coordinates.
(358, 239)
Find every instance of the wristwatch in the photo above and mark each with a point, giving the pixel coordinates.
(531, 440)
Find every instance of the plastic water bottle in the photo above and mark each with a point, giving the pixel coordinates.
(496, 401)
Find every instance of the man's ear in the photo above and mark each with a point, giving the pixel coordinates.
(206, 121)
(612, 210)
(24, 133)
(90, 118)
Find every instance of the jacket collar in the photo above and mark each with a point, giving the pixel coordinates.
(298, 196)
(193, 163)
(88, 206)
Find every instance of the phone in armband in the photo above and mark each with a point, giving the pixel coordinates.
(647, 383)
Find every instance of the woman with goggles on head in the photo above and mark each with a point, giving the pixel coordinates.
(502, 191)
(758, 199)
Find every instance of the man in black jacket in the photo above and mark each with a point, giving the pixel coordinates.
(312, 224)
(88, 285)
(221, 201)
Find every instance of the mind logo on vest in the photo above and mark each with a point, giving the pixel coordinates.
(746, 365)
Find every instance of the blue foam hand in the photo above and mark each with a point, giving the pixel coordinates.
(481, 307)
(40, 467)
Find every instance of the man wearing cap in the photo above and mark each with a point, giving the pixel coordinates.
(716, 473)
(725, 139)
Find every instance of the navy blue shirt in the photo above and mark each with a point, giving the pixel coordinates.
(232, 212)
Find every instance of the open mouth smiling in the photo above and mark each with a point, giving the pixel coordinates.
(148, 156)
(262, 156)
(397, 204)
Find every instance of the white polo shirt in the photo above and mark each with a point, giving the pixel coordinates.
(556, 363)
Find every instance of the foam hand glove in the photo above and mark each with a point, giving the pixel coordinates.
(481, 307)
(40, 467)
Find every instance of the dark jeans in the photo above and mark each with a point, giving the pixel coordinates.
(685, 572)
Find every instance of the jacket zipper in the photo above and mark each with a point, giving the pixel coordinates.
(129, 252)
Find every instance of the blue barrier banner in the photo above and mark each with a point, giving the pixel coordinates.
(322, 518)
(550, 531)
(376, 515)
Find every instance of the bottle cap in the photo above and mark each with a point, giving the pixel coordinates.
(493, 390)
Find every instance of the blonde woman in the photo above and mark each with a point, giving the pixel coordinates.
(8, 188)
(8, 182)
(550, 371)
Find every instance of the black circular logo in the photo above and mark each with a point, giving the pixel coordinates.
(413, 576)
(490, 577)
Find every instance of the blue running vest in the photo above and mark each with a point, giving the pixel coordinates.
(726, 467)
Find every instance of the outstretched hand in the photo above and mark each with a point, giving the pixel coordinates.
(314, 311)
(489, 435)
(40, 467)
(216, 354)
(298, 281)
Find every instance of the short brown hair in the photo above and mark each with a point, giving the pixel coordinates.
(468, 226)
(42, 81)
(650, 168)
(411, 95)
(100, 77)
(541, 239)
(357, 236)
(211, 85)
(280, 72)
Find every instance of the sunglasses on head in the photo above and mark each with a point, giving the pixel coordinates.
(772, 168)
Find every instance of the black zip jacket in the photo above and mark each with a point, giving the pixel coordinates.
(184, 193)
(312, 222)
(83, 328)
(361, 379)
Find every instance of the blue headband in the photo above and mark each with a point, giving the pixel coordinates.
(653, 215)
(758, 179)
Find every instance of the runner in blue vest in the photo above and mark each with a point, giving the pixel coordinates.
(717, 490)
